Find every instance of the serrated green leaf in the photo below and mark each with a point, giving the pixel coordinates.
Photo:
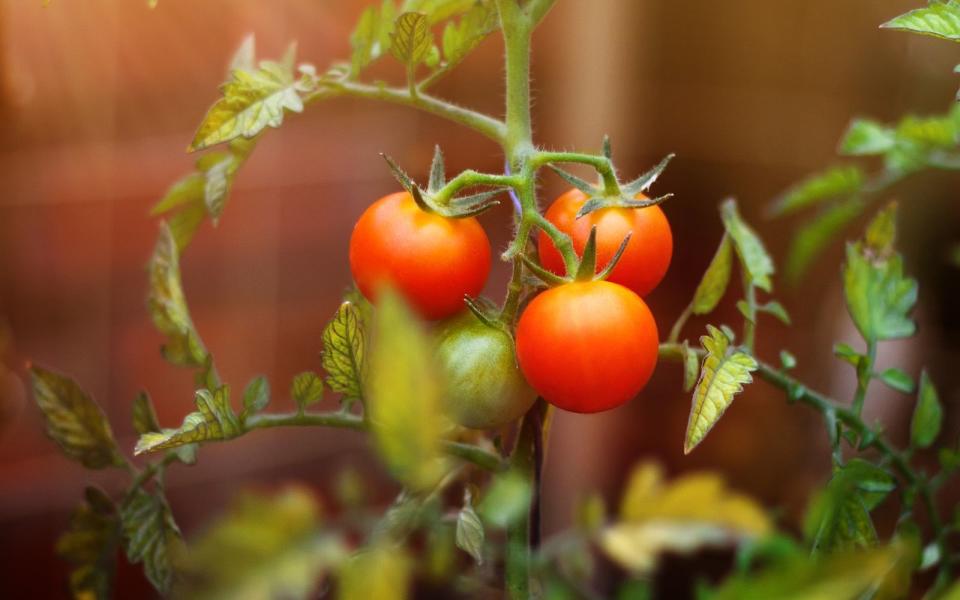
(898, 380)
(714, 283)
(813, 236)
(218, 177)
(753, 256)
(168, 306)
(938, 19)
(150, 534)
(439, 10)
(691, 367)
(411, 39)
(244, 57)
(469, 534)
(74, 421)
(362, 40)
(306, 389)
(251, 102)
(255, 397)
(213, 420)
(144, 416)
(835, 182)
(722, 376)
(184, 191)
(90, 546)
(461, 37)
(403, 395)
(344, 352)
(839, 517)
(927, 416)
(866, 138)
(185, 222)
(879, 296)
(681, 516)
(265, 546)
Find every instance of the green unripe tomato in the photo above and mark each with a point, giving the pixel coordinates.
(484, 386)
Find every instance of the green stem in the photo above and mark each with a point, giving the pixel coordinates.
(517, 30)
(864, 375)
(677, 328)
(750, 322)
(473, 454)
(479, 122)
(600, 163)
(471, 178)
(523, 464)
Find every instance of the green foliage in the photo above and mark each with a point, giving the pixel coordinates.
(879, 296)
(459, 38)
(814, 235)
(714, 283)
(214, 419)
(263, 547)
(306, 389)
(144, 415)
(90, 545)
(411, 39)
(168, 306)
(939, 19)
(403, 396)
(898, 380)
(927, 416)
(723, 375)
(753, 256)
(380, 572)
(255, 397)
(683, 516)
(253, 100)
(74, 421)
(839, 518)
(507, 500)
(150, 536)
(835, 182)
(344, 348)
(469, 533)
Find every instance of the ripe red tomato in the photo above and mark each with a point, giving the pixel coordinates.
(431, 260)
(587, 346)
(647, 257)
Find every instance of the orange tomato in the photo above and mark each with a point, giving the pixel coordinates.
(432, 261)
(587, 346)
(647, 256)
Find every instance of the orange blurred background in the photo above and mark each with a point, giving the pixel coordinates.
(99, 98)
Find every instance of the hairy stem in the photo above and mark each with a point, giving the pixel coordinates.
(479, 122)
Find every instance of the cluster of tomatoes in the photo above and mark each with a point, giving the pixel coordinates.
(584, 346)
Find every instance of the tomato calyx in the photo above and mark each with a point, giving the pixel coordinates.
(587, 269)
(487, 313)
(431, 200)
(622, 195)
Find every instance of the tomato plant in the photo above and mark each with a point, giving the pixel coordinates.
(583, 340)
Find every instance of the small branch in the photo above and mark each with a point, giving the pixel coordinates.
(677, 328)
(750, 322)
(473, 454)
(864, 375)
(481, 123)
(600, 163)
(471, 178)
(538, 9)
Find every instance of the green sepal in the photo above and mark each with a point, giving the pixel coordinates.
(598, 202)
(643, 183)
(588, 262)
(603, 274)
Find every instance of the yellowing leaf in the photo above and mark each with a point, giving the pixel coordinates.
(90, 545)
(74, 421)
(382, 572)
(213, 420)
(411, 39)
(715, 280)
(693, 511)
(938, 19)
(403, 396)
(344, 345)
(722, 376)
(252, 101)
(265, 546)
(753, 256)
(879, 295)
(168, 306)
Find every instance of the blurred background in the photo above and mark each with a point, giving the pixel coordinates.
(98, 100)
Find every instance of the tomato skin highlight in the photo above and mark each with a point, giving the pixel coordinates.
(432, 261)
(587, 346)
(644, 262)
(484, 386)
